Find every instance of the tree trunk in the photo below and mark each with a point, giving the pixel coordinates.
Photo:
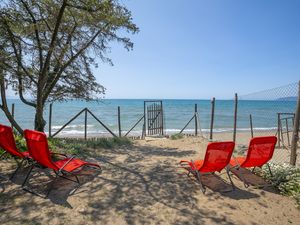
(39, 122)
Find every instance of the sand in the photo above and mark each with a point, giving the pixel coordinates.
(141, 184)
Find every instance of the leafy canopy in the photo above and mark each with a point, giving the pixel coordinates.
(48, 47)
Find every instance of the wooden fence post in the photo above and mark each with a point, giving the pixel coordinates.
(278, 129)
(144, 126)
(85, 124)
(12, 113)
(50, 120)
(162, 119)
(196, 118)
(251, 126)
(235, 116)
(119, 121)
(295, 136)
(212, 118)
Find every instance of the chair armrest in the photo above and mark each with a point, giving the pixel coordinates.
(56, 153)
(66, 163)
(237, 163)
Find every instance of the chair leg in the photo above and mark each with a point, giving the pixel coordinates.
(27, 176)
(203, 189)
(242, 178)
(228, 174)
(269, 169)
(64, 176)
(15, 172)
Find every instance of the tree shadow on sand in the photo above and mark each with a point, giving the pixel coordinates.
(138, 185)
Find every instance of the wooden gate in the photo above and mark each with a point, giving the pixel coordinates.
(153, 118)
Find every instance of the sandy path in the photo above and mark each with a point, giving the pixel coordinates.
(142, 185)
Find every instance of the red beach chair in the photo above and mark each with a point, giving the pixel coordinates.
(217, 157)
(260, 151)
(37, 145)
(8, 144)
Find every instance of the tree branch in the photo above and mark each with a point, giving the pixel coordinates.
(20, 89)
(36, 33)
(4, 106)
(52, 43)
(18, 56)
(55, 80)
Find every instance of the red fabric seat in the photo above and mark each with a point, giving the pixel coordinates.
(237, 161)
(260, 151)
(38, 148)
(8, 144)
(197, 164)
(217, 157)
(72, 165)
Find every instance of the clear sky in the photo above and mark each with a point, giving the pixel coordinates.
(198, 49)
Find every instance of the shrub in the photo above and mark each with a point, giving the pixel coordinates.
(21, 143)
(77, 146)
(286, 178)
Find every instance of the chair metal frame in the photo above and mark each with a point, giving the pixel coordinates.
(197, 174)
(60, 172)
(238, 165)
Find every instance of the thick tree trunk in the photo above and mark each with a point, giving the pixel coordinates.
(39, 122)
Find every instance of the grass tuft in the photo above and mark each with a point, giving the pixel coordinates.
(176, 136)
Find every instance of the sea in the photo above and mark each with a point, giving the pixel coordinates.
(177, 113)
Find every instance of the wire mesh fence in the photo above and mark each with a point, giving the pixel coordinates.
(263, 113)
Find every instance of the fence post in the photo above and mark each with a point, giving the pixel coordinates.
(278, 129)
(119, 121)
(212, 118)
(196, 118)
(235, 116)
(162, 118)
(144, 126)
(50, 119)
(12, 113)
(251, 126)
(85, 124)
(295, 136)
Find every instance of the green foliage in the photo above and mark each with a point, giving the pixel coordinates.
(286, 178)
(176, 136)
(78, 146)
(68, 38)
(49, 48)
(21, 143)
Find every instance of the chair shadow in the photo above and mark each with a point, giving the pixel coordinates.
(62, 188)
(249, 177)
(216, 184)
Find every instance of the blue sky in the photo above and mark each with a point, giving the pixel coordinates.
(196, 49)
(199, 49)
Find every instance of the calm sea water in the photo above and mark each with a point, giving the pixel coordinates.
(176, 113)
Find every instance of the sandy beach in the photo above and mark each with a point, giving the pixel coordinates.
(142, 184)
